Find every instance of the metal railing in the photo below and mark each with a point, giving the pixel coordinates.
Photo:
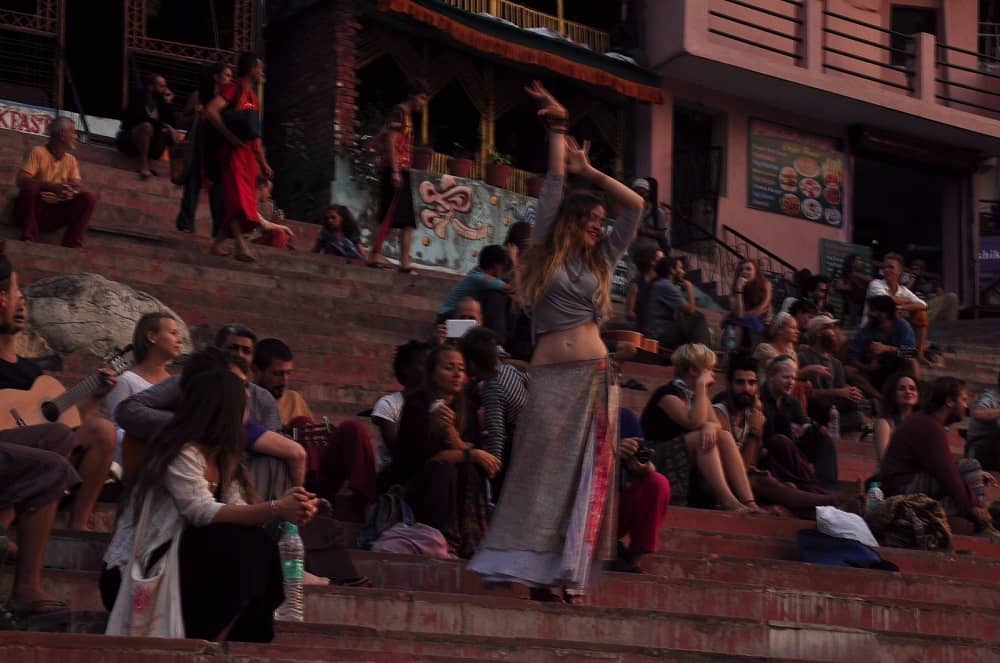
(730, 25)
(517, 182)
(776, 269)
(882, 64)
(989, 44)
(714, 259)
(958, 82)
(525, 17)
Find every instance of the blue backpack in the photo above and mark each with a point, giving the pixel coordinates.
(818, 548)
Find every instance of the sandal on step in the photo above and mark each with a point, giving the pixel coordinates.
(42, 615)
(406, 270)
(546, 595)
(246, 257)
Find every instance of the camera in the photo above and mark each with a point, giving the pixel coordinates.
(643, 455)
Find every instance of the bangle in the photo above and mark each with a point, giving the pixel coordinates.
(559, 130)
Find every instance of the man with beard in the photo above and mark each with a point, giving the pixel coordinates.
(740, 412)
(832, 388)
(919, 459)
(272, 367)
(671, 314)
(344, 463)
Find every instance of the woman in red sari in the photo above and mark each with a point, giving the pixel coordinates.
(241, 161)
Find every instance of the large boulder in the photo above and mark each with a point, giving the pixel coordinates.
(86, 313)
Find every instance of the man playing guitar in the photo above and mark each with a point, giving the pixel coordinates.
(91, 446)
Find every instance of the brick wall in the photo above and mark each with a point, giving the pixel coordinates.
(309, 102)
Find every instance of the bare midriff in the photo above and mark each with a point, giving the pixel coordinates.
(580, 343)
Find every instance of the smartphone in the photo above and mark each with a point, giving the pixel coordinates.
(458, 328)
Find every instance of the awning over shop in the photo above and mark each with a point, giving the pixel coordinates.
(507, 41)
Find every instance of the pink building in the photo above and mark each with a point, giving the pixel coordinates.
(788, 122)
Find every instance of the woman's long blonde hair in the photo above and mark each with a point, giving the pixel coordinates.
(547, 254)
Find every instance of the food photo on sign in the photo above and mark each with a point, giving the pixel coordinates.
(795, 173)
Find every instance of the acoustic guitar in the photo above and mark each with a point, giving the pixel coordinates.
(48, 401)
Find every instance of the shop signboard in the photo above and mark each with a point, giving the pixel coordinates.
(796, 173)
(989, 258)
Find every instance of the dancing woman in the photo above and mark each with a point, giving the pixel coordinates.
(556, 512)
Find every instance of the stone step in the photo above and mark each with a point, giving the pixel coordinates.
(758, 627)
(308, 642)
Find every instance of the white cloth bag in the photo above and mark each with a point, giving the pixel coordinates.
(149, 606)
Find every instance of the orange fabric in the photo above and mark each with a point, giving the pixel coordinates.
(507, 50)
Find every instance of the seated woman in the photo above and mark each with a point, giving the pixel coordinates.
(783, 335)
(900, 399)
(339, 235)
(681, 413)
(751, 300)
(193, 489)
(789, 434)
(156, 341)
(435, 458)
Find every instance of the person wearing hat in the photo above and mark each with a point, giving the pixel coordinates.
(828, 387)
(654, 227)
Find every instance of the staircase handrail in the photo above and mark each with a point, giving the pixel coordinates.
(770, 254)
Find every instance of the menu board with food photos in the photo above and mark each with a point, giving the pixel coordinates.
(796, 173)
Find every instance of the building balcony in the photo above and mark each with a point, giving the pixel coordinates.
(800, 56)
(529, 19)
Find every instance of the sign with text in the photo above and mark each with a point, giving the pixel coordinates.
(25, 119)
(989, 258)
(796, 173)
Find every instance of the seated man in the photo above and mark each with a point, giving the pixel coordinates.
(908, 305)
(919, 459)
(941, 306)
(884, 345)
(803, 311)
(147, 127)
(49, 195)
(817, 291)
(91, 447)
(773, 480)
(984, 429)
(347, 460)
(493, 263)
(671, 315)
(829, 388)
(32, 482)
(785, 421)
(145, 413)
(408, 365)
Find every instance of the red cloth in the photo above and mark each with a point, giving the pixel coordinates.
(239, 167)
(273, 238)
(35, 215)
(920, 445)
(642, 510)
(348, 455)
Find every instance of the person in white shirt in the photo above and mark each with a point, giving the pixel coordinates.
(408, 367)
(156, 342)
(908, 304)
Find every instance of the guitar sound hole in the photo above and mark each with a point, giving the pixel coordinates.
(50, 411)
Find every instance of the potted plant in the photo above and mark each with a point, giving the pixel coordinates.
(497, 167)
(460, 165)
(535, 184)
(423, 157)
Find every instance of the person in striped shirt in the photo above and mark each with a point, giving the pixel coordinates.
(502, 391)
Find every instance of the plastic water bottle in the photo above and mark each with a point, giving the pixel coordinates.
(833, 426)
(292, 570)
(874, 497)
(729, 338)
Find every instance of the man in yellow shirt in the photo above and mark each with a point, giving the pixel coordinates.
(50, 196)
(272, 368)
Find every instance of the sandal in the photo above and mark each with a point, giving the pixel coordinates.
(42, 615)
(246, 257)
(407, 270)
(546, 595)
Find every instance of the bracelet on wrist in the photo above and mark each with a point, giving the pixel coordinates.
(274, 508)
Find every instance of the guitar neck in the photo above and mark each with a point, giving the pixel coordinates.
(78, 393)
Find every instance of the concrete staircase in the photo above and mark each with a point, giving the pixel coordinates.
(721, 588)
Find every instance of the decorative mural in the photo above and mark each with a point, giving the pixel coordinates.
(457, 217)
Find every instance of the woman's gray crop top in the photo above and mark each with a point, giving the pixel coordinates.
(569, 301)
